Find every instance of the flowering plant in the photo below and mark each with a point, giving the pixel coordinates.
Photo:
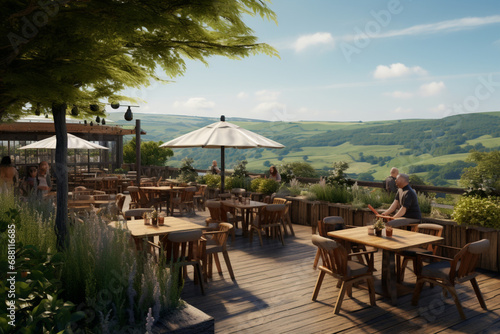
(379, 224)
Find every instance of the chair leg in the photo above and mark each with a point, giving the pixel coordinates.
(416, 292)
(289, 223)
(316, 259)
(371, 289)
(217, 263)
(280, 231)
(478, 293)
(260, 238)
(197, 271)
(318, 284)
(453, 293)
(210, 265)
(228, 264)
(340, 297)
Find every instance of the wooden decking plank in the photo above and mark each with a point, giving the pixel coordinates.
(274, 285)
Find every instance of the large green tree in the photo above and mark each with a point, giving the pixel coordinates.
(151, 153)
(56, 54)
(485, 176)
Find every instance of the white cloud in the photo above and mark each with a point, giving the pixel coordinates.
(319, 38)
(397, 70)
(267, 95)
(401, 110)
(242, 95)
(195, 104)
(432, 88)
(439, 108)
(399, 95)
(266, 109)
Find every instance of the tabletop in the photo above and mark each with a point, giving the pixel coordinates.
(401, 239)
(251, 205)
(161, 188)
(171, 224)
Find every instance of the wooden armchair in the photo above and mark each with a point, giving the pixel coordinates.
(450, 271)
(337, 264)
(411, 253)
(199, 198)
(182, 200)
(182, 249)
(269, 220)
(214, 242)
(286, 221)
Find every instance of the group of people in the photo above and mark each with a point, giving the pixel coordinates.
(405, 204)
(36, 179)
(273, 171)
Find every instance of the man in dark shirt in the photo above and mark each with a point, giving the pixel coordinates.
(406, 202)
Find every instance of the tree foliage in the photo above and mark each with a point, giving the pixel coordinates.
(484, 178)
(151, 153)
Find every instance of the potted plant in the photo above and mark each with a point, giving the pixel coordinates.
(379, 226)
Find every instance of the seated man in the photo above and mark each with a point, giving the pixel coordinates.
(406, 201)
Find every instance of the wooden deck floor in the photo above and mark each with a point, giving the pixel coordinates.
(274, 284)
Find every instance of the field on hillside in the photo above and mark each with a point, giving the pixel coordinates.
(368, 147)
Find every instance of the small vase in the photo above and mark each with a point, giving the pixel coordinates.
(378, 232)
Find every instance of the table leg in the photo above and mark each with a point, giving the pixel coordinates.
(389, 286)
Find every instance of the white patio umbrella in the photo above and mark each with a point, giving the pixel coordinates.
(221, 135)
(74, 143)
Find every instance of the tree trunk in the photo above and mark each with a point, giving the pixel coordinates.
(61, 174)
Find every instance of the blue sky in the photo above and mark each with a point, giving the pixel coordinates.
(350, 61)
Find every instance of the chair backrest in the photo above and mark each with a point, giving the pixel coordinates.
(271, 214)
(80, 188)
(278, 200)
(188, 194)
(182, 246)
(120, 200)
(221, 238)
(201, 190)
(464, 263)
(330, 223)
(134, 193)
(334, 255)
(431, 229)
(137, 213)
(214, 207)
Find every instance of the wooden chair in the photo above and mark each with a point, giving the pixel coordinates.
(327, 224)
(199, 198)
(269, 220)
(110, 184)
(182, 249)
(337, 264)
(139, 199)
(120, 201)
(182, 200)
(219, 214)
(448, 272)
(286, 221)
(411, 253)
(214, 242)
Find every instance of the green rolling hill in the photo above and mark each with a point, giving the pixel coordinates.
(421, 146)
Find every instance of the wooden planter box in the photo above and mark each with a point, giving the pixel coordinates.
(308, 213)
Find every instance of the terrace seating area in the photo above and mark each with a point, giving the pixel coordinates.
(274, 284)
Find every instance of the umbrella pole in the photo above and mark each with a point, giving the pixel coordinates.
(222, 169)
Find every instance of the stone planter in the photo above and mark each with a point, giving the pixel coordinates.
(304, 212)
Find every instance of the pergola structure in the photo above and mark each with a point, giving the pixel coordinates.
(18, 134)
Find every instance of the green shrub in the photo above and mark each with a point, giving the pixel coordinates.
(474, 210)
(268, 186)
(330, 193)
(255, 184)
(239, 182)
(212, 180)
(424, 202)
(364, 196)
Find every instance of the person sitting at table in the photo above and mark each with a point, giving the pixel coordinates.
(8, 175)
(29, 183)
(273, 174)
(390, 181)
(214, 169)
(43, 182)
(405, 202)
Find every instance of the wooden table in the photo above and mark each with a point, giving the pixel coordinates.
(171, 224)
(162, 190)
(246, 210)
(400, 240)
(96, 203)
